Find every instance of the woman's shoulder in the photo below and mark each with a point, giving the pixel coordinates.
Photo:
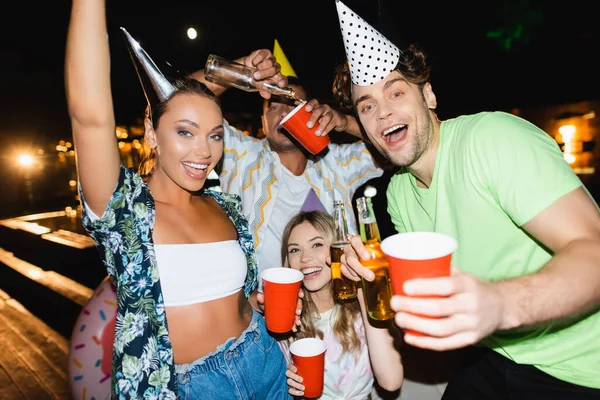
(232, 205)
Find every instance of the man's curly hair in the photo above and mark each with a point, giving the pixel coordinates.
(412, 65)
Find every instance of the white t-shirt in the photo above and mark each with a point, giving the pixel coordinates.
(290, 199)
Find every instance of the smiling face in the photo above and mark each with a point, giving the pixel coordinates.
(398, 117)
(308, 252)
(273, 112)
(188, 140)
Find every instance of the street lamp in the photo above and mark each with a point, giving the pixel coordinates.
(25, 160)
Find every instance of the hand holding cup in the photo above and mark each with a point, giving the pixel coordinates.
(308, 355)
(296, 123)
(417, 255)
(281, 290)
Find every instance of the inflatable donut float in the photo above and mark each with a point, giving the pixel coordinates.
(90, 353)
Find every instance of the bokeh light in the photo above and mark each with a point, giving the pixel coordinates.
(192, 34)
(25, 160)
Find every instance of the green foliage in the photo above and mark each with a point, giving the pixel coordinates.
(518, 20)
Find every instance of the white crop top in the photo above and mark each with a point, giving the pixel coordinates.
(196, 273)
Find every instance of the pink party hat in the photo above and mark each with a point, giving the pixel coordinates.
(371, 56)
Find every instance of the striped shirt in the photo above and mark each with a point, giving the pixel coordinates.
(252, 170)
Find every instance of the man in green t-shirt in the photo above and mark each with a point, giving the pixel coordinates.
(525, 287)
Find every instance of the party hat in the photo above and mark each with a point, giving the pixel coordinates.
(286, 67)
(156, 87)
(312, 202)
(371, 55)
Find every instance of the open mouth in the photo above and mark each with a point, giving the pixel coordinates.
(395, 133)
(195, 170)
(195, 165)
(311, 272)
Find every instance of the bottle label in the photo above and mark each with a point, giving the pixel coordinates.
(369, 220)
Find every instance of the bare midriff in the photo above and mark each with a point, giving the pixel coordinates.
(198, 329)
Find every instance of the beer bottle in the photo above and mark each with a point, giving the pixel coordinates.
(229, 73)
(343, 288)
(378, 292)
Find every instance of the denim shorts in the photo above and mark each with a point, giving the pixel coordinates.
(250, 367)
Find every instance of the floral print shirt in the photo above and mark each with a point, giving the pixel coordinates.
(142, 365)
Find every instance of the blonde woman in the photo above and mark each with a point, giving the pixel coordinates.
(357, 352)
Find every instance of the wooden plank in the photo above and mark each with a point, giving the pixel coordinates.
(70, 239)
(8, 390)
(35, 356)
(32, 355)
(30, 227)
(35, 331)
(24, 380)
(62, 285)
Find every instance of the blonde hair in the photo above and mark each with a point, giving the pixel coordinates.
(349, 311)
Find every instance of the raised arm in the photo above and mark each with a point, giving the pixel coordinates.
(89, 100)
(383, 352)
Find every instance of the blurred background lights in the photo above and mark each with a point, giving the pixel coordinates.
(570, 158)
(25, 160)
(370, 191)
(567, 132)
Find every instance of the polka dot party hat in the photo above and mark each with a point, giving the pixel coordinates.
(371, 55)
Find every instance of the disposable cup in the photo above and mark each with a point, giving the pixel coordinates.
(280, 288)
(414, 255)
(308, 355)
(295, 124)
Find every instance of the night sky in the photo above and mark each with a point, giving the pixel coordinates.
(495, 54)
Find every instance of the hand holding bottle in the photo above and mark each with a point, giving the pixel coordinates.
(258, 71)
(343, 288)
(266, 67)
(351, 265)
(377, 292)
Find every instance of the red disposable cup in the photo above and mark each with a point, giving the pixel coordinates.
(414, 255)
(308, 355)
(295, 124)
(280, 288)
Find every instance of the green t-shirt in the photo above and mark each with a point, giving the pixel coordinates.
(493, 173)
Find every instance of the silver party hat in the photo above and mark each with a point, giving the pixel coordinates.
(156, 87)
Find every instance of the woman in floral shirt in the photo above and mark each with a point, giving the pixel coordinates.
(164, 225)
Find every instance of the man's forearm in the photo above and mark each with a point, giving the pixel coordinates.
(353, 127)
(567, 286)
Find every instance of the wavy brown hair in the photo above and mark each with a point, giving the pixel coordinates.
(412, 65)
(349, 311)
(183, 85)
